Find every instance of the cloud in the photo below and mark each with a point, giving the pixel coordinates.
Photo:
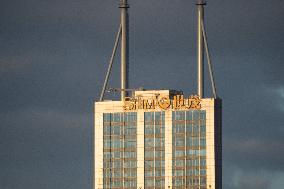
(39, 146)
(255, 153)
(280, 93)
(240, 179)
(54, 55)
(253, 181)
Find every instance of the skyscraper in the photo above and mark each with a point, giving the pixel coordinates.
(158, 139)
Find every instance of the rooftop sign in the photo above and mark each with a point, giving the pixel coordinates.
(179, 102)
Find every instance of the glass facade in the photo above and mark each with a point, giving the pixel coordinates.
(189, 149)
(154, 151)
(119, 150)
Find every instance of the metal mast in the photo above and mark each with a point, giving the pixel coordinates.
(200, 48)
(124, 48)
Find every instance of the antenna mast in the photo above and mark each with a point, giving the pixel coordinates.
(124, 48)
(200, 48)
(201, 42)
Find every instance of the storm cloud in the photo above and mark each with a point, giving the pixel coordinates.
(53, 59)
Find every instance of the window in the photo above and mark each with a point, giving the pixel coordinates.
(154, 153)
(119, 158)
(189, 149)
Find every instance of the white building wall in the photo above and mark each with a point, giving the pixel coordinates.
(98, 158)
(208, 106)
(168, 149)
(140, 149)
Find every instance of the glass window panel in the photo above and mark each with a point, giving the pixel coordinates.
(202, 171)
(130, 144)
(129, 154)
(179, 173)
(117, 164)
(189, 141)
(149, 154)
(160, 154)
(180, 141)
(179, 153)
(149, 173)
(196, 172)
(188, 115)
(180, 128)
(106, 117)
(195, 115)
(159, 163)
(203, 162)
(149, 116)
(149, 142)
(149, 131)
(195, 129)
(157, 130)
(159, 183)
(195, 141)
(159, 172)
(149, 164)
(116, 117)
(189, 127)
(117, 173)
(157, 115)
(202, 128)
(158, 141)
(202, 114)
(178, 182)
(107, 129)
(203, 181)
(180, 115)
(189, 172)
(202, 152)
(202, 122)
(179, 163)
(107, 144)
(149, 182)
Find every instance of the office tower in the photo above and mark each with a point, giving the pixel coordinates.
(158, 139)
(154, 139)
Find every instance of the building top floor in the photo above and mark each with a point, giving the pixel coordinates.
(156, 100)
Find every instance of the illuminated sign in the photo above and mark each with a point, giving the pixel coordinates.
(162, 102)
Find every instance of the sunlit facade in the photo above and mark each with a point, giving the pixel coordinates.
(158, 140)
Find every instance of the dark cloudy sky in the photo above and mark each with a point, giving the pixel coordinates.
(53, 59)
